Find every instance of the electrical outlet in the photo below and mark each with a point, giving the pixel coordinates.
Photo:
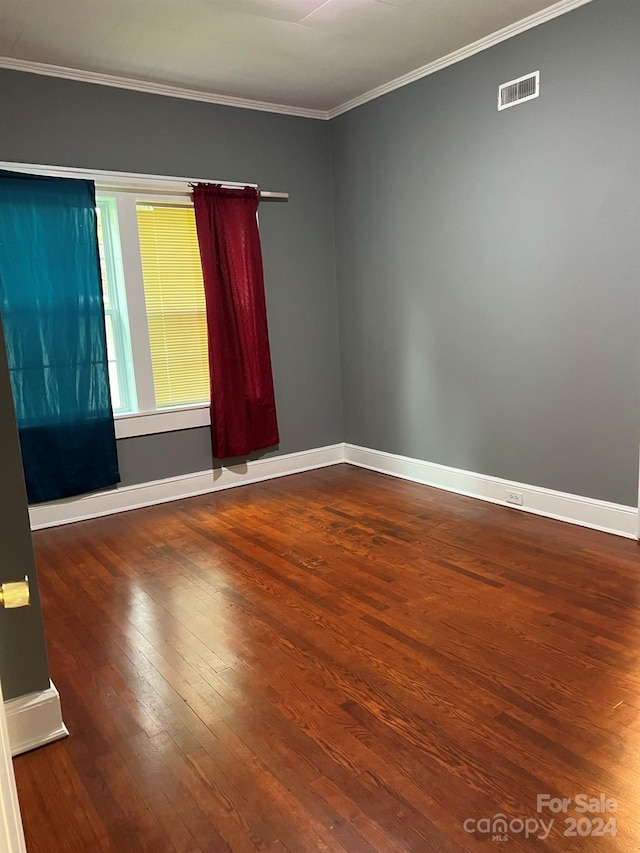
(514, 498)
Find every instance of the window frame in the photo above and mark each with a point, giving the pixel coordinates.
(148, 419)
(117, 309)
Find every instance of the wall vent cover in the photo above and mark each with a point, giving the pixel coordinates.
(518, 91)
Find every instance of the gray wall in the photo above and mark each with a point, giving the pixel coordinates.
(60, 122)
(23, 657)
(488, 263)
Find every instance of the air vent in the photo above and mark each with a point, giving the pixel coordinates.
(518, 91)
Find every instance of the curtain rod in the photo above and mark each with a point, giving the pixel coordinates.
(134, 181)
(157, 190)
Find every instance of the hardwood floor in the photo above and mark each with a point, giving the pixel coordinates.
(335, 661)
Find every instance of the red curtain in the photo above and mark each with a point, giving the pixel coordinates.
(243, 409)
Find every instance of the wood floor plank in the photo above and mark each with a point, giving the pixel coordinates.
(334, 661)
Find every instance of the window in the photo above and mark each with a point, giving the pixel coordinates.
(174, 298)
(115, 309)
(154, 302)
(155, 317)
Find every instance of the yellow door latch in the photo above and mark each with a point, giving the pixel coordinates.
(15, 594)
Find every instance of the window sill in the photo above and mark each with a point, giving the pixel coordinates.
(167, 420)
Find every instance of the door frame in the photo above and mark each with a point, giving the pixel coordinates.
(11, 832)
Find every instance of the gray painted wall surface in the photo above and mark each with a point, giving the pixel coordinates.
(488, 263)
(170, 454)
(60, 122)
(23, 655)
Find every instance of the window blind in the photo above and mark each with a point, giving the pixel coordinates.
(174, 296)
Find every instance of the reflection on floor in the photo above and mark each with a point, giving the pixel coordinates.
(336, 661)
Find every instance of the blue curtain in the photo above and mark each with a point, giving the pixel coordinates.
(52, 308)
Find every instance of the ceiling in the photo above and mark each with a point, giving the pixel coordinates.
(308, 54)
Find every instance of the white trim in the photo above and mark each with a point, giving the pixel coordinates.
(574, 509)
(149, 87)
(586, 512)
(152, 88)
(638, 520)
(169, 420)
(11, 832)
(463, 53)
(34, 720)
(186, 486)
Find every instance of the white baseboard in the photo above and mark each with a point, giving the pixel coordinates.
(177, 488)
(587, 512)
(34, 719)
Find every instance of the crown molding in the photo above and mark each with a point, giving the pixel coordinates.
(152, 88)
(512, 30)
